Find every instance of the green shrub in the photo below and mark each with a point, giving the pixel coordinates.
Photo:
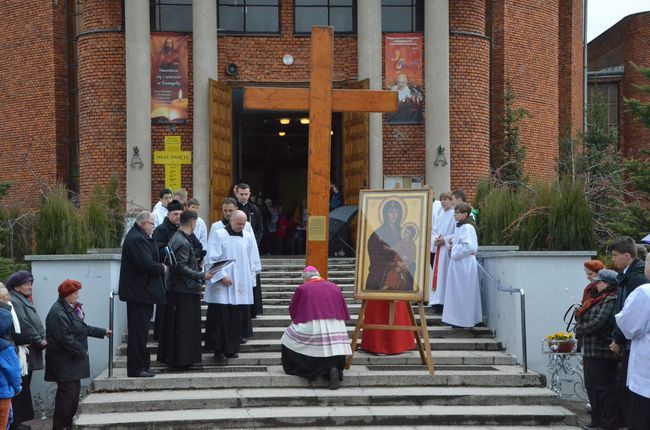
(16, 233)
(542, 217)
(104, 216)
(9, 266)
(59, 229)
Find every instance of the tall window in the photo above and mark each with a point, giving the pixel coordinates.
(341, 14)
(249, 16)
(171, 15)
(402, 16)
(606, 93)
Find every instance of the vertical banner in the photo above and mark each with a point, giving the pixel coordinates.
(403, 71)
(169, 86)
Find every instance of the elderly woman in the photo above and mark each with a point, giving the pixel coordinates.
(20, 291)
(594, 325)
(66, 359)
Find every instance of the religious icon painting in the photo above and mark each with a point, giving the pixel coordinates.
(393, 244)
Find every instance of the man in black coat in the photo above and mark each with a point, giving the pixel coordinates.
(181, 347)
(254, 215)
(141, 286)
(631, 275)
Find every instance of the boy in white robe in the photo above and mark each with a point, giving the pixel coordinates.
(230, 291)
(201, 231)
(462, 293)
(442, 231)
(160, 209)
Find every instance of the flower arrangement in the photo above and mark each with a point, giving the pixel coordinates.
(560, 336)
(561, 342)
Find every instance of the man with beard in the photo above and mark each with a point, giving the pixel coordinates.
(183, 316)
(254, 216)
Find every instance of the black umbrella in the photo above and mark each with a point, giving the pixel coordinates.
(340, 219)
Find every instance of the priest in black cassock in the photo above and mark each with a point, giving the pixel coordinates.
(254, 215)
(182, 335)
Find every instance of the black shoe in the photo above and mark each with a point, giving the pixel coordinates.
(143, 374)
(335, 382)
(243, 340)
(591, 426)
(154, 371)
(232, 355)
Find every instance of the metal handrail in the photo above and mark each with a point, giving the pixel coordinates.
(522, 303)
(111, 318)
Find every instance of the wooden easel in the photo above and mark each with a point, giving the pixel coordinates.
(421, 331)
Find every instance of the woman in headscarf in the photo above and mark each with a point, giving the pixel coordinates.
(20, 291)
(66, 359)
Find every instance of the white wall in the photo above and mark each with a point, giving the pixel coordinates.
(552, 281)
(98, 274)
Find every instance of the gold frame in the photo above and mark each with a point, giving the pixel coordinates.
(401, 268)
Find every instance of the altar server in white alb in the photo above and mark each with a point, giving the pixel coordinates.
(634, 323)
(462, 293)
(230, 291)
(441, 233)
(229, 207)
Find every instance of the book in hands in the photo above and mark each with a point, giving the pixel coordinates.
(220, 265)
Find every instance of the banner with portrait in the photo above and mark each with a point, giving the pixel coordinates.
(169, 85)
(403, 73)
(393, 245)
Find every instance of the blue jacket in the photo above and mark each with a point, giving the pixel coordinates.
(9, 365)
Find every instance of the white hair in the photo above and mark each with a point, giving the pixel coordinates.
(310, 274)
(142, 217)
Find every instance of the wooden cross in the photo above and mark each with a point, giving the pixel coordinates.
(172, 158)
(320, 100)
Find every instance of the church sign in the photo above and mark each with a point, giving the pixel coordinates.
(403, 71)
(169, 84)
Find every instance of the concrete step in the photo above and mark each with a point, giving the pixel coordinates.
(456, 344)
(229, 376)
(295, 417)
(340, 272)
(435, 332)
(440, 358)
(139, 401)
(280, 279)
(290, 288)
(270, 320)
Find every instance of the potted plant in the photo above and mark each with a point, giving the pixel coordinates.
(561, 342)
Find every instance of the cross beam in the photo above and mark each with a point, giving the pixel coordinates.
(321, 100)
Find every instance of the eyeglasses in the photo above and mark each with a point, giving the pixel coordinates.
(149, 222)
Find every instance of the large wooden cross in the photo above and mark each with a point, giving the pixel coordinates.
(320, 100)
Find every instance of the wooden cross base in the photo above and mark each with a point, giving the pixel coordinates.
(421, 331)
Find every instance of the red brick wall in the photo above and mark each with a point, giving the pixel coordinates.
(571, 73)
(623, 44)
(33, 128)
(469, 102)
(102, 96)
(525, 48)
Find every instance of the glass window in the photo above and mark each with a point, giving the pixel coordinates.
(608, 95)
(341, 14)
(402, 16)
(249, 16)
(171, 15)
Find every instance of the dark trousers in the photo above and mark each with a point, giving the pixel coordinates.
(65, 404)
(227, 330)
(622, 392)
(600, 381)
(138, 321)
(22, 403)
(639, 412)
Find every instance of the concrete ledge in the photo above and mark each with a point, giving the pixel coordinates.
(75, 257)
(514, 253)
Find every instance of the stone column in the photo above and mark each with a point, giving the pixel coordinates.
(369, 65)
(436, 93)
(204, 26)
(138, 104)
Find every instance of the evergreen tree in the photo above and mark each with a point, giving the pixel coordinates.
(511, 153)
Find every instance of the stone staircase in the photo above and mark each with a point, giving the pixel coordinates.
(476, 383)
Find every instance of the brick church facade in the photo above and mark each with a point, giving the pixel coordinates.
(64, 98)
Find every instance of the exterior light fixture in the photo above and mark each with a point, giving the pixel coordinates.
(440, 157)
(284, 121)
(282, 133)
(331, 133)
(304, 121)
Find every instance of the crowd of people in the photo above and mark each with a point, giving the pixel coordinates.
(24, 338)
(613, 332)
